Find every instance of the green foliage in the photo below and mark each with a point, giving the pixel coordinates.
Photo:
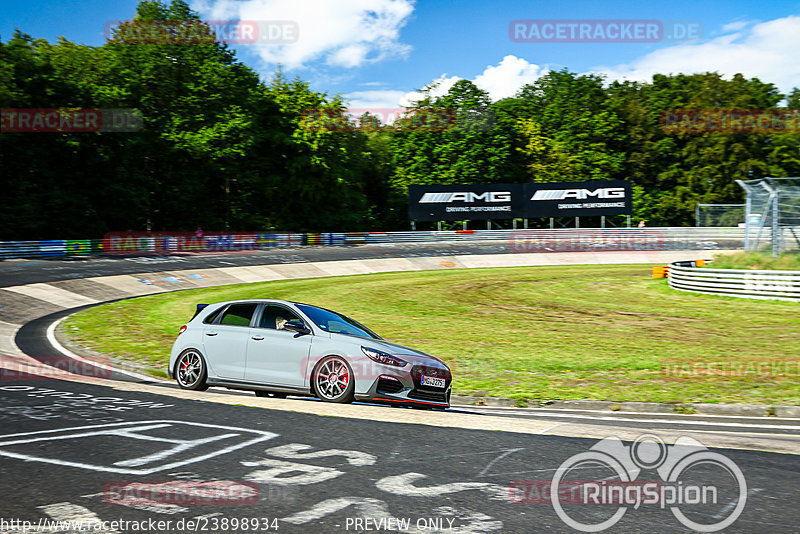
(788, 261)
(222, 149)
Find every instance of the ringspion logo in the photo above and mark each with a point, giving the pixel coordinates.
(704, 490)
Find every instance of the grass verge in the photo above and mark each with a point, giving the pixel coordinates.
(605, 332)
(788, 261)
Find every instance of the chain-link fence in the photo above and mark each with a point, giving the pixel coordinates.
(719, 214)
(772, 214)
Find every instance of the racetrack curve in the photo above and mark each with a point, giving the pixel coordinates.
(314, 472)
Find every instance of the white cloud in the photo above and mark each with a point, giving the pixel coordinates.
(505, 79)
(383, 99)
(767, 50)
(342, 33)
(734, 26)
(377, 99)
(437, 87)
(500, 81)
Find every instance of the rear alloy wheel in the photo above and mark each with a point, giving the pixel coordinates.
(333, 380)
(190, 371)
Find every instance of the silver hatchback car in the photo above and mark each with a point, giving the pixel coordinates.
(277, 348)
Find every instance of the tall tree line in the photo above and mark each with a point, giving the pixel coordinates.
(221, 149)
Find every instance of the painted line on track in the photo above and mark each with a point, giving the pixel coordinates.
(643, 420)
(574, 411)
(51, 338)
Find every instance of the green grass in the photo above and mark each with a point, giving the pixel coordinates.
(606, 332)
(788, 261)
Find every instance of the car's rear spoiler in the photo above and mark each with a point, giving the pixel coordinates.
(199, 309)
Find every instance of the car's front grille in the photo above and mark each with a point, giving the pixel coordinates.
(418, 370)
(389, 385)
(426, 392)
(428, 396)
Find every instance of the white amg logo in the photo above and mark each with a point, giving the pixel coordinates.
(579, 194)
(446, 198)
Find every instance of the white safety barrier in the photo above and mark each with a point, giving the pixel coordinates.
(745, 283)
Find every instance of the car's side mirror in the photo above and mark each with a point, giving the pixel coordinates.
(296, 326)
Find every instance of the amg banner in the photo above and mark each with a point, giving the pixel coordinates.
(516, 201)
(465, 202)
(578, 199)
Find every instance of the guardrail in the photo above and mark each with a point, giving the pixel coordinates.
(517, 241)
(744, 283)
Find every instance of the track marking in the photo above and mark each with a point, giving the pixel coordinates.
(660, 421)
(128, 430)
(51, 338)
(549, 428)
(292, 451)
(403, 485)
(503, 455)
(307, 474)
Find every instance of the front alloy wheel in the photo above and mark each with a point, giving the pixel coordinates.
(190, 371)
(333, 380)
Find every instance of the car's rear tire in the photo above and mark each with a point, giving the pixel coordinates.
(333, 380)
(190, 370)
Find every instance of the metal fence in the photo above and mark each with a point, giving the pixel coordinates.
(772, 285)
(772, 214)
(719, 214)
(516, 241)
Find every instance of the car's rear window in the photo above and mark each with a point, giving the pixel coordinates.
(238, 315)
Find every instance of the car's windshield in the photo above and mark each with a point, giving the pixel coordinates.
(336, 322)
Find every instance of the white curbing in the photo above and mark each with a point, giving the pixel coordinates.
(51, 338)
(52, 294)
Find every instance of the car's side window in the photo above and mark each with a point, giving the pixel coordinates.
(213, 316)
(238, 315)
(274, 317)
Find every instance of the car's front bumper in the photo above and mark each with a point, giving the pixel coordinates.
(407, 389)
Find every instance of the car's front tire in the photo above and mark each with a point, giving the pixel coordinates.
(190, 370)
(333, 380)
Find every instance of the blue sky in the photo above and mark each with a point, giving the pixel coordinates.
(377, 52)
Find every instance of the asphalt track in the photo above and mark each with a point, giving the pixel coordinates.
(68, 447)
(28, 271)
(315, 474)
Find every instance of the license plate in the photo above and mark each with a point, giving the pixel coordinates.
(432, 381)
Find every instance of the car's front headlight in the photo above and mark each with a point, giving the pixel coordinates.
(383, 357)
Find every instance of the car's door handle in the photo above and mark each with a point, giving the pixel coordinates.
(258, 338)
(211, 333)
